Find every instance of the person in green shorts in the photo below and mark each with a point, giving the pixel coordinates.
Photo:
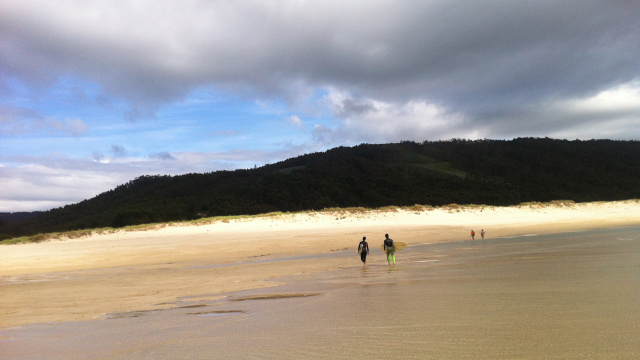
(389, 249)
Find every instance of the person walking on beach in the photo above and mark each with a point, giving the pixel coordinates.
(482, 234)
(389, 249)
(473, 235)
(363, 249)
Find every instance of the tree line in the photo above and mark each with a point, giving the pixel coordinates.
(435, 173)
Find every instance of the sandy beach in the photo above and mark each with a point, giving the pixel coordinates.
(110, 275)
(56, 280)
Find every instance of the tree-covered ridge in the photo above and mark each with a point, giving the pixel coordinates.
(491, 172)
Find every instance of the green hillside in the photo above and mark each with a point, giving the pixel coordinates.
(491, 172)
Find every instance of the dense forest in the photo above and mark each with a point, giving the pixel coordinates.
(490, 172)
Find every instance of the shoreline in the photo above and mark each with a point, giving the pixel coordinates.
(86, 278)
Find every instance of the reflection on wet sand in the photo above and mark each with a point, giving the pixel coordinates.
(219, 313)
(273, 296)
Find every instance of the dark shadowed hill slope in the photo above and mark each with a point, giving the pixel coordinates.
(17, 216)
(492, 172)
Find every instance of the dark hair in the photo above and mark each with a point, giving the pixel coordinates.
(386, 235)
(364, 238)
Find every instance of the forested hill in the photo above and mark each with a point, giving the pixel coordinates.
(491, 172)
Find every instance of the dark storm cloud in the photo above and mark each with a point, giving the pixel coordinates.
(476, 58)
(350, 107)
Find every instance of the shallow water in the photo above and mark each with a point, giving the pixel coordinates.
(568, 296)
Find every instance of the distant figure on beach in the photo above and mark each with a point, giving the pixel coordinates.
(389, 249)
(363, 250)
(473, 235)
(482, 233)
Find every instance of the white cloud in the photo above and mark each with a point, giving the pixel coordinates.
(41, 183)
(612, 113)
(41, 187)
(17, 121)
(75, 127)
(368, 120)
(295, 121)
(621, 100)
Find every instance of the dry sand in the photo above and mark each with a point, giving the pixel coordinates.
(87, 278)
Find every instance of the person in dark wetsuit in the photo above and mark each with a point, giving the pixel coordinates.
(389, 249)
(363, 249)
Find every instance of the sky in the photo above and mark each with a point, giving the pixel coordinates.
(94, 94)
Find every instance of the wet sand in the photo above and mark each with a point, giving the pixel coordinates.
(570, 295)
(535, 297)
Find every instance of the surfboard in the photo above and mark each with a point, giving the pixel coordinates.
(399, 245)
